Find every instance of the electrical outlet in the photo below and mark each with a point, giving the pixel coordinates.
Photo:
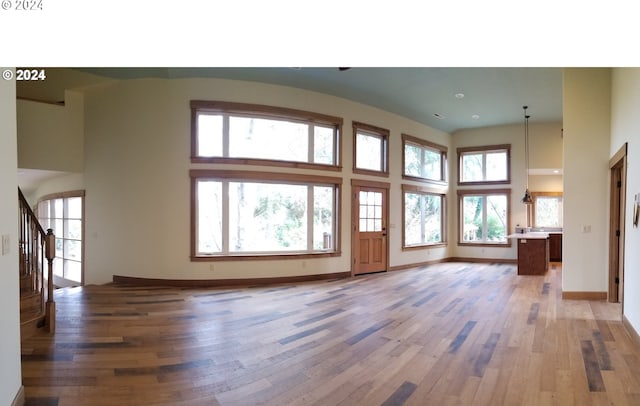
(6, 244)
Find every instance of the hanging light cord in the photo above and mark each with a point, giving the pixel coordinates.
(526, 143)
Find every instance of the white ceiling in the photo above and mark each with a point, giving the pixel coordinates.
(496, 95)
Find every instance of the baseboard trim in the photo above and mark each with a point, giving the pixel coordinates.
(417, 264)
(482, 260)
(19, 399)
(630, 330)
(584, 295)
(208, 283)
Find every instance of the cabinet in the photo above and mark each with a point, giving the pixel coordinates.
(533, 256)
(555, 247)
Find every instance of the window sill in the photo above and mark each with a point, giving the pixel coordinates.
(260, 257)
(424, 246)
(265, 162)
(485, 244)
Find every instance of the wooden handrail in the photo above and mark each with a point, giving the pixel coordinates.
(35, 248)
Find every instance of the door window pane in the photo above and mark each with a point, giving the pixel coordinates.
(370, 211)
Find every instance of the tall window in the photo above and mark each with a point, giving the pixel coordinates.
(225, 132)
(423, 217)
(547, 209)
(255, 213)
(370, 149)
(423, 160)
(64, 214)
(484, 217)
(484, 165)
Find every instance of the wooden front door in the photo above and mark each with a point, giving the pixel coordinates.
(370, 247)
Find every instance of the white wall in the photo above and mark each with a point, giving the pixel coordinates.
(137, 149)
(625, 127)
(58, 184)
(10, 375)
(545, 151)
(51, 136)
(586, 111)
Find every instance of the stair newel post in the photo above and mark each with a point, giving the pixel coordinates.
(50, 253)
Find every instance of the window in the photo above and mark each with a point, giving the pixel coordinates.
(238, 213)
(423, 217)
(547, 209)
(244, 133)
(484, 165)
(370, 149)
(484, 217)
(423, 160)
(64, 214)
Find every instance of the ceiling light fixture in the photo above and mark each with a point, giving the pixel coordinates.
(475, 116)
(459, 95)
(527, 196)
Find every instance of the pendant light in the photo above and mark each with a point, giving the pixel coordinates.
(527, 196)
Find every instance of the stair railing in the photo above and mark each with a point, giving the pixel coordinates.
(36, 246)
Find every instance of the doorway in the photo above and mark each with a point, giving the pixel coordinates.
(618, 174)
(369, 218)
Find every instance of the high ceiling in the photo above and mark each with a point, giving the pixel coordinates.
(491, 96)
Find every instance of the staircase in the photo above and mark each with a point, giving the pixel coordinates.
(36, 252)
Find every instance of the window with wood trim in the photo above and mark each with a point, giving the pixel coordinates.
(224, 132)
(547, 209)
(423, 216)
(484, 217)
(370, 149)
(423, 160)
(484, 165)
(238, 213)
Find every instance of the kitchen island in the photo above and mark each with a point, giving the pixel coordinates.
(533, 252)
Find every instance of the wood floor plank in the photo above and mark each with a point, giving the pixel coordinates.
(445, 334)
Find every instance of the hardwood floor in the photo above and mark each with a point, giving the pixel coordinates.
(447, 334)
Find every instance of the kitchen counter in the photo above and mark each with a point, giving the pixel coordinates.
(530, 235)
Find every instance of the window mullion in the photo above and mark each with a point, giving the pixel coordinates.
(485, 225)
(310, 206)
(422, 216)
(484, 166)
(226, 237)
(311, 146)
(225, 135)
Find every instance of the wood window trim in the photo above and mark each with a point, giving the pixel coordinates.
(263, 177)
(483, 192)
(374, 131)
(62, 195)
(406, 138)
(269, 112)
(531, 208)
(443, 229)
(484, 148)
